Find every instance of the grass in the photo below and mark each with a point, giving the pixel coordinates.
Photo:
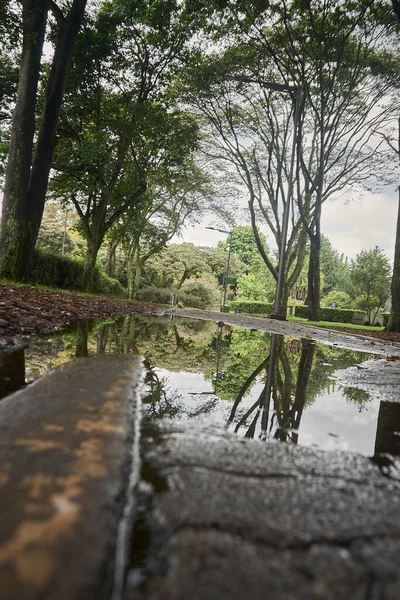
(332, 325)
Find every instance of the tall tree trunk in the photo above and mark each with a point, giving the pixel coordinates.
(314, 277)
(26, 187)
(394, 319)
(90, 264)
(14, 231)
(82, 334)
(48, 126)
(109, 269)
(12, 372)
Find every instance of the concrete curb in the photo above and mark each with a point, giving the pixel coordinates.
(69, 456)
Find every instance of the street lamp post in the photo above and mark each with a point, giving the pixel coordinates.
(226, 274)
(295, 92)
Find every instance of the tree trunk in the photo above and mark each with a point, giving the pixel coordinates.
(48, 126)
(314, 277)
(14, 230)
(90, 263)
(26, 187)
(12, 372)
(109, 269)
(82, 334)
(394, 319)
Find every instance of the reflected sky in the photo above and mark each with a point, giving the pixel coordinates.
(200, 370)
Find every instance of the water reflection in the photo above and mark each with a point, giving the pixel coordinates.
(12, 372)
(264, 386)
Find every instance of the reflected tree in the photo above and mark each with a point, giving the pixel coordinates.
(12, 372)
(82, 334)
(387, 439)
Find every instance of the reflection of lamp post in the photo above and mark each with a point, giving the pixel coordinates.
(295, 92)
(226, 274)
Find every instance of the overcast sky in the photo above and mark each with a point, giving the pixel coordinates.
(362, 222)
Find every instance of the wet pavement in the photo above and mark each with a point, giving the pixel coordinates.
(218, 515)
(225, 517)
(318, 334)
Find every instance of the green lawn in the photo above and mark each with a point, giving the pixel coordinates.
(331, 325)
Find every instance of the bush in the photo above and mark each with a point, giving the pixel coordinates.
(255, 308)
(341, 299)
(190, 300)
(386, 317)
(204, 293)
(154, 294)
(332, 315)
(163, 296)
(56, 270)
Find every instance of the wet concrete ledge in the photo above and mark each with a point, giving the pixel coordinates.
(236, 518)
(359, 343)
(69, 456)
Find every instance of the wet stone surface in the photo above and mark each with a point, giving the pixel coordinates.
(230, 518)
(67, 455)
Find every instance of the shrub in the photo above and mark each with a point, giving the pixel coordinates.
(341, 299)
(56, 270)
(332, 315)
(190, 300)
(255, 308)
(203, 293)
(154, 294)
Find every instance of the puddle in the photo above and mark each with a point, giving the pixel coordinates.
(198, 370)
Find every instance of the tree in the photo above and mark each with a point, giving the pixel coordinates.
(370, 276)
(243, 244)
(334, 269)
(29, 163)
(146, 230)
(175, 265)
(335, 54)
(394, 319)
(121, 131)
(248, 135)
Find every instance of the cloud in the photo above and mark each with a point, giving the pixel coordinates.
(363, 222)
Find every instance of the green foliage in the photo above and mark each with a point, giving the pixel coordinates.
(58, 233)
(194, 294)
(370, 276)
(341, 299)
(256, 287)
(176, 264)
(335, 269)
(59, 271)
(243, 244)
(333, 315)
(154, 294)
(255, 308)
(206, 292)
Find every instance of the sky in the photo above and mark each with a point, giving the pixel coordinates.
(362, 221)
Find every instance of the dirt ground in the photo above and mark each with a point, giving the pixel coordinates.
(26, 310)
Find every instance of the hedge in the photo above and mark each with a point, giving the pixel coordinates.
(56, 270)
(254, 308)
(163, 296)
(335, 315)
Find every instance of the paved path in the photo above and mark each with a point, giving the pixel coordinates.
(241, 519)
(319, 334)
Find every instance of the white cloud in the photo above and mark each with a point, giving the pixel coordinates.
(364, 222)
